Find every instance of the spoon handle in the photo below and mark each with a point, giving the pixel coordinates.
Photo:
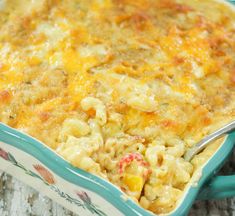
(208, 139)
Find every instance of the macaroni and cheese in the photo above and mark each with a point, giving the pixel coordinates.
(120, 88)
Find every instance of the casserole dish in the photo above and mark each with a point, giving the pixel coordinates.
(85, 194)
(83, 191)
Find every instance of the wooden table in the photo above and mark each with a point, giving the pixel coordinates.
(17, 199)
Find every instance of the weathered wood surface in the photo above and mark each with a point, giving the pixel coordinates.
(17, 199)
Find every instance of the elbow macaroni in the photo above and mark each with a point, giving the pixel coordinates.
(122, 88)
(74, 127)
(98, 106)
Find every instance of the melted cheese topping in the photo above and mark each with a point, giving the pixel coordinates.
(100, 80)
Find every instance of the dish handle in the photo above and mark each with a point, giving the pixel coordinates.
(218, 188)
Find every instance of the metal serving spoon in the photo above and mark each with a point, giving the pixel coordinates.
(190, 153)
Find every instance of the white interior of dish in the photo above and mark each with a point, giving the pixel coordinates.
(197, 175)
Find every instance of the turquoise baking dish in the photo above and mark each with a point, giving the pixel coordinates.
(85, 194)
(32, 162)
